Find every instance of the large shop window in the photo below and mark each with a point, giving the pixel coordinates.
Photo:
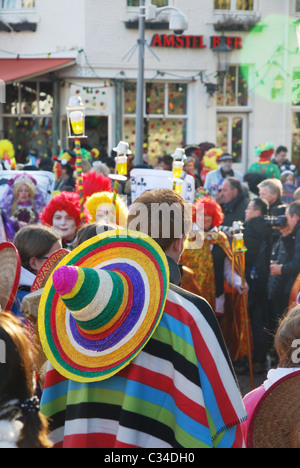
(165, 117)
(26, 118)
(239, 5)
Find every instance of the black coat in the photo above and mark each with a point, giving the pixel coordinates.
(291, 267)
(287, 253)
(235, 210)
(256, 230)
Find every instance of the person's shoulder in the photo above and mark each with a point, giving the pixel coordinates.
(191, 303)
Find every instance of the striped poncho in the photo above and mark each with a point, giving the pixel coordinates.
(179, 392)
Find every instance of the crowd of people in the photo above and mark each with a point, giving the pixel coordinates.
(135, 337)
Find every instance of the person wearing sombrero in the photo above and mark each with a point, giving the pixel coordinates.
(133, 360)
(274, 408)
(34, 243)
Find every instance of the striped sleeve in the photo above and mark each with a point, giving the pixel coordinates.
(179, 392)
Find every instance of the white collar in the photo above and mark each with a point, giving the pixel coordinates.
(10, 433)
(276, 374)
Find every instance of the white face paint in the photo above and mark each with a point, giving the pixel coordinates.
(105, 211)
(65, 225)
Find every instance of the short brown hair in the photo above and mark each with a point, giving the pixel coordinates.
(34, 241)
(146, 215)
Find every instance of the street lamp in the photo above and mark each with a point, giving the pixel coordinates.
(223, 55)
(76, 130)
(179, 24)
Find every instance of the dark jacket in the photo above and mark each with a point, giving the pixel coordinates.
(235, 210)
(291, 268)
(256, 232)
(287, 253)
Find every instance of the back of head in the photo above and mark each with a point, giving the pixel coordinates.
(288, 333)
(162, 214)
(17, 384)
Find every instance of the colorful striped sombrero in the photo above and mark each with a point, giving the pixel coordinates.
(102, 304)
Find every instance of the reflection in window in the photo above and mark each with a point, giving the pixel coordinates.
(244, 5)
(222, 4)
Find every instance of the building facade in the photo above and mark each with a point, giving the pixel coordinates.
(52, 50)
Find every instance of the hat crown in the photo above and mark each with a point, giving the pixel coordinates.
(93, 297)
(179, 153)
(123, 148)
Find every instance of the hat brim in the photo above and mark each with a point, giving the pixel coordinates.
(10, 273)
(85, 358)
(275, 414)
(48, 268)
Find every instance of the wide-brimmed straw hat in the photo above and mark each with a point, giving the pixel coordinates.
(10, 272)
(102, 304)
(276, 420)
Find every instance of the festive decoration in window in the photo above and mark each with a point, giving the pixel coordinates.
(296, 138)
(166, 108)
(94, 98)
(234, 91)
(29, 135)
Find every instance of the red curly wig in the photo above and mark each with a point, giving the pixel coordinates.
(211, 208)
(64, 201)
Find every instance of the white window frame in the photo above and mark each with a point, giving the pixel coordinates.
(243, 165)
(147, 2)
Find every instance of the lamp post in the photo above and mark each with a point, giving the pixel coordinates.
(223, 55)
(178, 23)
(76, 130)
(139, 126)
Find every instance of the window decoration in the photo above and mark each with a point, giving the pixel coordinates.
(166, 116)
(234, 91)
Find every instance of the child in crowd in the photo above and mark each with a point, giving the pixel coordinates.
(287, 333)
(35, 244)
(21, 424)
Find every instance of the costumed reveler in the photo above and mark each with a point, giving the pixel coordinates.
(63, 214)
(109, 207)
(22, 202)
(264, 166)
(211, 262)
